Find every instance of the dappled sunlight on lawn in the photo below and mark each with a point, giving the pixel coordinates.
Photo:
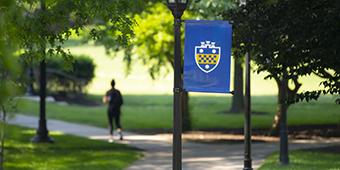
(33, 132)
(68, 152)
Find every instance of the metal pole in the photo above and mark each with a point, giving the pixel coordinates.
(284, 160)
(42, 132)
(177, 110)
(247, 120)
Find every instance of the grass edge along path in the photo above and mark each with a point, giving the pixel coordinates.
(155, 112)
(304, 159)
(68, 152)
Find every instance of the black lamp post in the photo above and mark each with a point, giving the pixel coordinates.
(247, 119)
(284, 159)
(42, 132)
(247, 115)
(177, 8)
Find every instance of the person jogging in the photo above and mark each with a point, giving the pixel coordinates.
(114, 100)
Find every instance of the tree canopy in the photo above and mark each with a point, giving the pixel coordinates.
(211, 9)
(293, 38)
(288, 40)
(154, 42)
(48, 24)
(8, 45)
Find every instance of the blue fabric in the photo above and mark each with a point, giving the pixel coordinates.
(207, 56)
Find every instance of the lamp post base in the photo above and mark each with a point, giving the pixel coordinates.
(38, 138)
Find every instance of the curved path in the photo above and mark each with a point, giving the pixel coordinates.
(158, 148)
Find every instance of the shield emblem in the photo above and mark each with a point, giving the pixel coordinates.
(207, 56)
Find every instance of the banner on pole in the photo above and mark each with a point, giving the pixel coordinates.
(207, 54)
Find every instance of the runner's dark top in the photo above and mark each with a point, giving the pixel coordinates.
(115, 101)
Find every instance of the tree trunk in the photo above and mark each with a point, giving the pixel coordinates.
(186, 112)
(280, 120)
(277, 117)
(237, 103)
(284, 94)
(279, 126)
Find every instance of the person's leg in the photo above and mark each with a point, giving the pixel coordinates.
(110, 117)
(118, 125)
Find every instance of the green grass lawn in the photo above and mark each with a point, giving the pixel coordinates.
(208, 112)
(148, 103)
(302, 160)
(69, 152)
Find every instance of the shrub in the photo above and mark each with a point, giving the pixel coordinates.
(61, 78)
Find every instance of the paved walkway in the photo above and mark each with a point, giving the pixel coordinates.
(158, 148)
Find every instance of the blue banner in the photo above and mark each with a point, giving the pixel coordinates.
(207, 54)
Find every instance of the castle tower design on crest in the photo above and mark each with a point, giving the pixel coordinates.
(207, 56)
